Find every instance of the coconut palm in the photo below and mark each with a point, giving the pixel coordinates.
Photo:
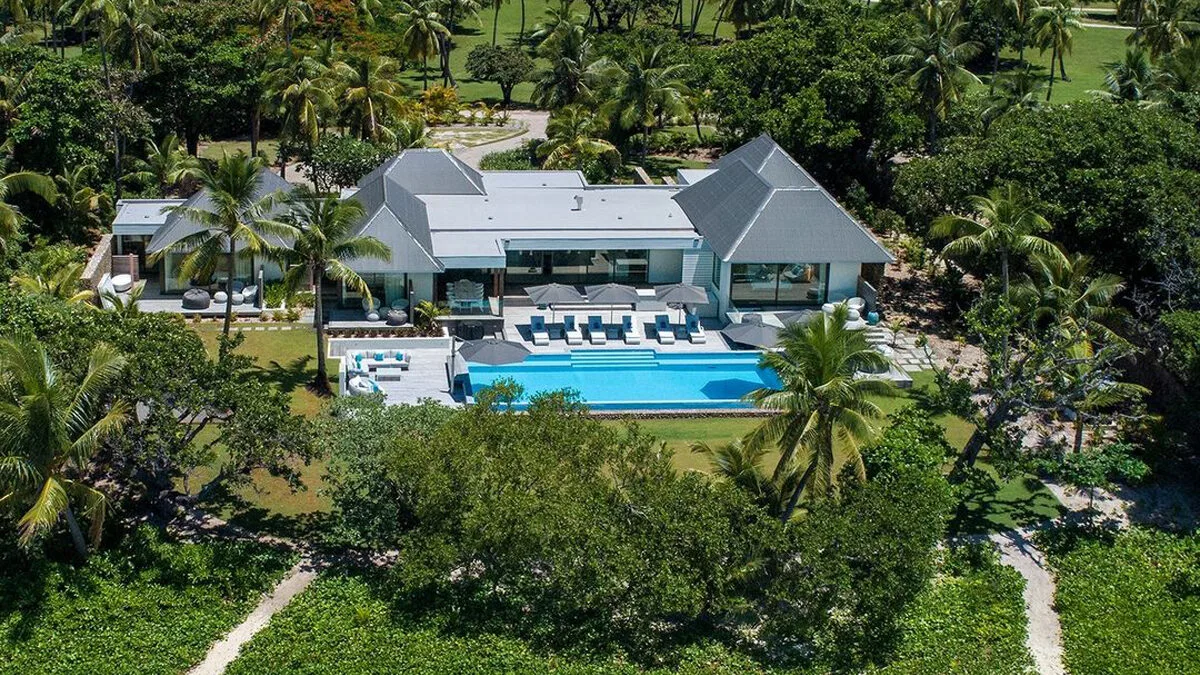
(1021, 17)
(423, 33)
(1000, 13)
(236, 221)
(1017, 90)
(1132, 79)
(82, 206)
(933, 61)
(821, 401)
(134, 34)
(49, 430)
(287, 14)
(299, 93)
(1165, 26)
(495, 18)
(458, 11)
(124, 305)
(1065, 290)
(367, 9)
(324, 240)
(1180, 71)
(370, 92)
(648, 89)
(1054, 28)
(62, 283)
(14, 184)
(1005, 222)
(574, 71)
(166, 165)
(557, 20)
(573, 140)
(744, 466)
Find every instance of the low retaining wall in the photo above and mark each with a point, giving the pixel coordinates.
(99, 264)
(339, 346)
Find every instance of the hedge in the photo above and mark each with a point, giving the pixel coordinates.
(150, 606)
(1129, 603)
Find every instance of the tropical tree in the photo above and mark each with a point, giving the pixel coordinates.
(933, 61)
(574, 140)
(124, 305)
(1132, 79)
(1065, 290)
(1000, 13)
(423, 33)
(14, 184)
(166, 165)
(457, 11)
(1017, 90)
(49, 431)
(1165, 25)
(82, 205)
(370, 93)
(1180, 70)
(1005, 222)
(367, 9)
(495, 18)
(1022, 17)
(648, 89)
(299, 93)
(62, 282)
(745, 467)
(574, 70)
(287, 14)
(324, 241)
(1054, 28)
(106, 15)
(236, 221)
(134, 33)
(821, 402)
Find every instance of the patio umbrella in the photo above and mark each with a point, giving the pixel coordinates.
(552, 294)
(803, 316)
(681, 294)
(612, 294)
(753, 333)
(493, 351)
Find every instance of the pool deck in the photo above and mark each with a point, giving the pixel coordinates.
(516, 328)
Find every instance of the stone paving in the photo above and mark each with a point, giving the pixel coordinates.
(906, 354)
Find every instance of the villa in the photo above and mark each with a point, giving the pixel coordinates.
(754, 229)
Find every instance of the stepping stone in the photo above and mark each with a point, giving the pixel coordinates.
(912, 369)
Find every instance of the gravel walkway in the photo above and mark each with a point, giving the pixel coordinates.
(1043, 631)
(535, 127)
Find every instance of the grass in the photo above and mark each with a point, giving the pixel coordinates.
(151, 606)
(285, 358)
(1129, 602)
(1093, 48)
(214, 149)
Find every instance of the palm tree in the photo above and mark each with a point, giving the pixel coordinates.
(647, 90)
(1181, 69)
(166, 165)
(999, 12)
(495, 18)
(289, 14)
(62, 283)
(743, 466)
(1054, 28)
(821, 400)
(1165, 26)
(573, 140)
(324, 241)
(367, 9)
(134, 32)
(235, 222)
(423, 32)
(49, 431)
(457, 11)
(370, 92)
(299, 93)
(82, 205)
(933, 61)
(1132, 79)
(1017, 90)
(1022, 16)
(14, 184)
(124, 305)
(107, 15)
(1005, 223)
(1065, 290)
(574, 70)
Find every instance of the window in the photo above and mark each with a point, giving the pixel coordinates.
(768, 285)
(526, 268)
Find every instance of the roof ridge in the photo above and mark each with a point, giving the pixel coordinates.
(758, 211)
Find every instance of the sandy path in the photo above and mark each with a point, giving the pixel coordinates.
(535, 127)
(1043, 631)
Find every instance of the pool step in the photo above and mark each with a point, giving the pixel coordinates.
(605, 358)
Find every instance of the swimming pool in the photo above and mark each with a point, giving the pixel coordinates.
(635, 379)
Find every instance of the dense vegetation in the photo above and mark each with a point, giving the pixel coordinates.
(147, 606)
(1128, 602)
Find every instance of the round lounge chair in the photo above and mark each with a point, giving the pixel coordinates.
(196, 298)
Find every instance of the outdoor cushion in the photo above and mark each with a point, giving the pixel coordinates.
(196, 298)
(238, 298)
(220, 297)
(122, 283)
(378, 356)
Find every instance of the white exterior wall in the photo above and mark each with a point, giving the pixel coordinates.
(664, 267)
(422, 288)
(843, 281)
(726, 284)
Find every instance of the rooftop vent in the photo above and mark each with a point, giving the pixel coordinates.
(578, 202)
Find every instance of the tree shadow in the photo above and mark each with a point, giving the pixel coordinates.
(316, 526)
(990, 504)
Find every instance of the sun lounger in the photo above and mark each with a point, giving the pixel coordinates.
(597, 334)
(631, 330)
(664, 329)
(537, 330)
(695, 331)
(571, 331)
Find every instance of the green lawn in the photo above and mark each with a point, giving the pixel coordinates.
(286, 358)
(1094, 47)
(214, 149)
(152, 606)
(1129, 603)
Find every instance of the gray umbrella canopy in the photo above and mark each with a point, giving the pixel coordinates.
(802, 316)
(753, 333)
(612, 294)
(493, 351)
(553, 294)
(681, 293)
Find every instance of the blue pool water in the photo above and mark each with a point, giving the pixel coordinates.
(636, 379)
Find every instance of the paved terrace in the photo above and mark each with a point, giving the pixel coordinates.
(516, 328)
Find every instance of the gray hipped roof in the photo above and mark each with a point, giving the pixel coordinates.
(433, 172)
(760, 206)
(396, 217)
(179, 226)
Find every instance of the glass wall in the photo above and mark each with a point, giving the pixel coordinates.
(529, 268)
(243, 271)
(772, 285)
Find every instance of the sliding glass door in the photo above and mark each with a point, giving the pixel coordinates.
(776, 285)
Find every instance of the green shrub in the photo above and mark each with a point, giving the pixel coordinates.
(275, 294)
(1130, 602)
(971, 619)
(1182, 353)
(516, 159)
(340, 161)
(913, 440)
(302, 300)
(150, 606)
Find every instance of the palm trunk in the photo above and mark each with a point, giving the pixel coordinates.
(933, 121)
(1004, 270)
(521, 35)
(1050, 89)
(115, 133)
(425, 72)
(319, 325)
(76, 533)
(995, 63)
(1062, 67)
(975, 443)
(645, 142)
(699, 136)
(255, 126)
(229, 291)
(1078, 431)
(495, 22)
(790, 509)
